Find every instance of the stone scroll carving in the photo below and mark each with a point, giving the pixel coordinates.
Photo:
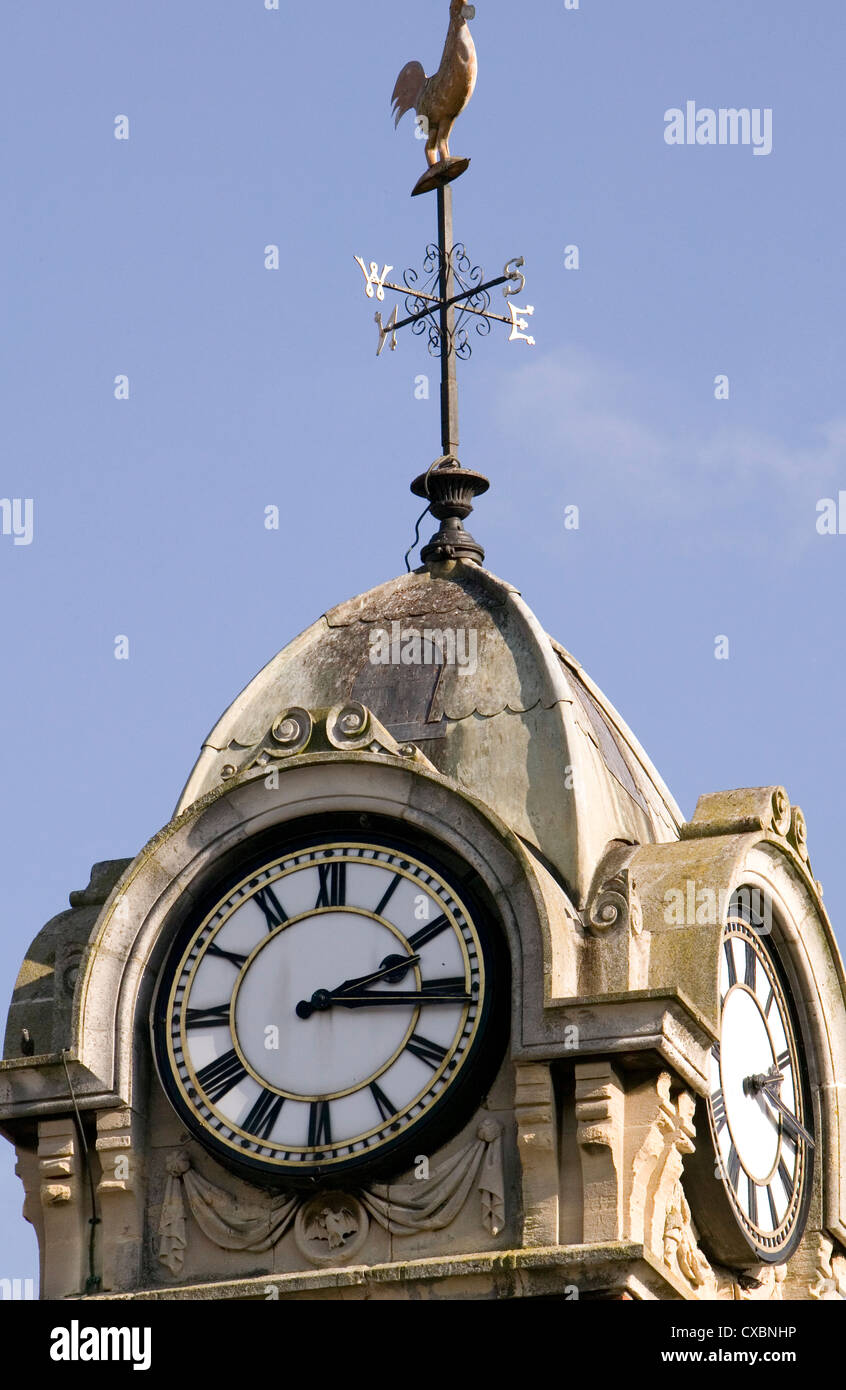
(613, 901)
(349, 727)
(332, 1226)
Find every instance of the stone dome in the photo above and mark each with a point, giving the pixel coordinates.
(495, 704)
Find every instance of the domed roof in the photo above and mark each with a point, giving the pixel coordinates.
(449, 657)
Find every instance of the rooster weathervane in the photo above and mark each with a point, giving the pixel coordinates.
(452, 293)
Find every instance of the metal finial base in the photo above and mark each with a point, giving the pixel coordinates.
(450, 490)
(452, 542)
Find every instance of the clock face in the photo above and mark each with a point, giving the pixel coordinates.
(757, 1108)
(324, 1010)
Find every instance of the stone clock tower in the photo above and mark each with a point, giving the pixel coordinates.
(427, 989)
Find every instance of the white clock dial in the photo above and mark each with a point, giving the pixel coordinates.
(756, 1104)
(323, 1008)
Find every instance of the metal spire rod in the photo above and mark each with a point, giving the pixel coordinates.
(461, 288)
(449, 383)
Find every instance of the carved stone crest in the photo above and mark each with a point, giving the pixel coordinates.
(330, 1228)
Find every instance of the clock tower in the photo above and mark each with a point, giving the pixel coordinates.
(427, 988)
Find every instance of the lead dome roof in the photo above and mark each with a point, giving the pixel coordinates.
(521, 727)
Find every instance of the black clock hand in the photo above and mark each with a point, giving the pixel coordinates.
(403, 996)
(789, 1120)
(392, 968)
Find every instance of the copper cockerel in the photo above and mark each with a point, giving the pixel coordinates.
(440, 99)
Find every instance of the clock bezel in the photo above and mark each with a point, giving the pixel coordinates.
(461, 1095)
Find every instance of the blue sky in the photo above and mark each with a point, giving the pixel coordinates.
(251, 387)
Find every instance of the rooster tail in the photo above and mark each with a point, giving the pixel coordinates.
(407, 91)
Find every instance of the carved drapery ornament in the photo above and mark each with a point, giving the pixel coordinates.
(403, 1209)
(230, 1223)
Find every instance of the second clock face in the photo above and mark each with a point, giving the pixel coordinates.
(323, 1010)
(757, 1109)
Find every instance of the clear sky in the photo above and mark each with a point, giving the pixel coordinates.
(251, 387)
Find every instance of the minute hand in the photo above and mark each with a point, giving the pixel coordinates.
(788, 1118)
(438, 992)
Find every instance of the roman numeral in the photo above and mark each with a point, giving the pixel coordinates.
(388, 894)
(729, 954)
(263, 1115)
(207, 1018)
(214, 950)
(221, 1075)
(753, 1200)
(386, 1107)
(333, 885)
(319, 1127)
(749, 972)
(427, 933)
(429, 1052)
(773, 1211)
(769, 1004)
(733, 1167)
(786, 1179)
(274, 912)
(783, 1061)
(718, 1108)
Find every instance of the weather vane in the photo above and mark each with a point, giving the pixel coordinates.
(453, 293)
